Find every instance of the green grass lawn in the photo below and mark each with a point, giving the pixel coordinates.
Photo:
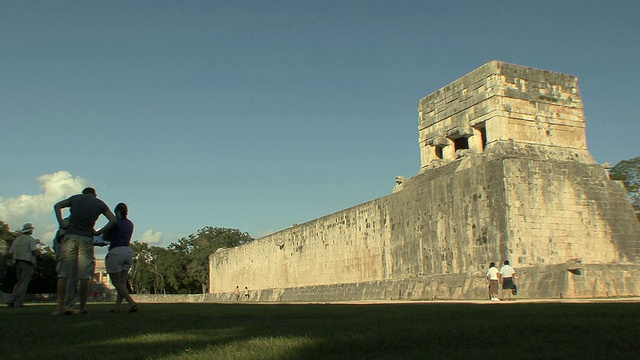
(331, 331)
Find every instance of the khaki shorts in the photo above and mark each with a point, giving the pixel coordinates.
(119, 259)
(493, 286)
(76, 255)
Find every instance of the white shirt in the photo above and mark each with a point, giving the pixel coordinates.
(492, 274)
(507, 271)
(23, 247)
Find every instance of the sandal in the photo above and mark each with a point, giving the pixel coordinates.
(134, 308)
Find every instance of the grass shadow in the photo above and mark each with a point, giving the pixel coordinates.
(325, 331)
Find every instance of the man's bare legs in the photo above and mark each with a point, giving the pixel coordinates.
(61, 291)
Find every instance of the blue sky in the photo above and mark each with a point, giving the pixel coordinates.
(257, 115)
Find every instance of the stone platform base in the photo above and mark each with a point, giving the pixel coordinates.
(566, 281)
(575, 281)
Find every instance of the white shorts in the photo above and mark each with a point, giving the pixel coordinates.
(119, 259)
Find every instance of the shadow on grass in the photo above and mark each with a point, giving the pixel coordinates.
(285, 331)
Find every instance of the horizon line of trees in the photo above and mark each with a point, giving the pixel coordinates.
(180, 268)
(183, 266)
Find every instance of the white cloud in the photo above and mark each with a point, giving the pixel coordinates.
(38, 208)
(151, 237)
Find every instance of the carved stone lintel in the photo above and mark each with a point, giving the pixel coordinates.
(466, 131)
(440, 141)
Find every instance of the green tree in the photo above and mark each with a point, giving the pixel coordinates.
(6, 234)
(169, 269)
(45, 277)
(201, 245)
(183, 267)
(628, 171)
(157, 270)
(140, 277)
(7, 275)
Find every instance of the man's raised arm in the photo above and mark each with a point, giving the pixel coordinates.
(57, 209)
(112, 221)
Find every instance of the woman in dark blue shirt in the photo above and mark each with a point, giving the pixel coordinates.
(120, 257)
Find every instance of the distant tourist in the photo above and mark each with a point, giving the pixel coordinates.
(507, 274)
(247, 294)
(23, 253)
(237, 293)
(494, 281)
(120, 257)
(77, 244)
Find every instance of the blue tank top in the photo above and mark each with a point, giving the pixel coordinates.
(121, 233)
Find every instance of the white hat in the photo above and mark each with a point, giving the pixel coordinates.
(27, 227)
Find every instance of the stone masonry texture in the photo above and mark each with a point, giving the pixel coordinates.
(505, 175)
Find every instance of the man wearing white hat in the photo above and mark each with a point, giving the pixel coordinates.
(23, 253)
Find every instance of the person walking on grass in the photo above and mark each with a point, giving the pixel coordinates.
(23, 253)
(494, 281)
(120, 257)
(507, 274)
(77, 243)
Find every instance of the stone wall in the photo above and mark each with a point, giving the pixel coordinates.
(505, 175)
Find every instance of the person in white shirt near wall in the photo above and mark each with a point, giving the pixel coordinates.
(494, 281)
(507, 278)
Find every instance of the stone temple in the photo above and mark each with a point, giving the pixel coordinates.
(505, 175)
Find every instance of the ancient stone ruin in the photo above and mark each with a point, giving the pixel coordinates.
(505, 175)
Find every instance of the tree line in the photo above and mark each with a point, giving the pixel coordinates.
(180, 268)
(183, 266)
(628, 171)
